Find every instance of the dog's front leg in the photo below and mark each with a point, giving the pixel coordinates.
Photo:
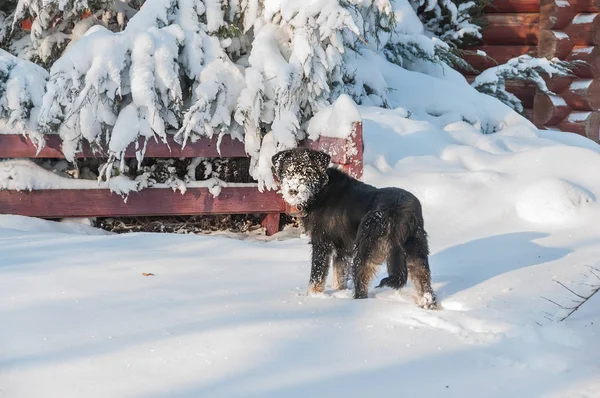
(321, 258)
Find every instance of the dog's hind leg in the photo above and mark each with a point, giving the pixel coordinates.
(321, 259)
(369, 251)
(419, 272)
(341, 272)
(397, 268)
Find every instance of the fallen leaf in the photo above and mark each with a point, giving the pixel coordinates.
(147, 274)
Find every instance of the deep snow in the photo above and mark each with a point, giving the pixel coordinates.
(227, 315)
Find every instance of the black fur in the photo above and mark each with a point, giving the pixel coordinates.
(356, 226)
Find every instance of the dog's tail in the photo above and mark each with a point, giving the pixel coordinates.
(406, 219)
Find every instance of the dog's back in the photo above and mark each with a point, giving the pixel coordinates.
(342, 204)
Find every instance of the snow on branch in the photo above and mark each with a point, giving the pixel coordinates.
(57, 23)
(525, 68)
(450, 20)
(21, 90)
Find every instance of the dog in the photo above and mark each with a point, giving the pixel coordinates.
(355, 226)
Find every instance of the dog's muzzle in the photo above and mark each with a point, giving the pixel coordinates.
(296, 211)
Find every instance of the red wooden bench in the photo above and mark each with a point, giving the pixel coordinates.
(101, 202)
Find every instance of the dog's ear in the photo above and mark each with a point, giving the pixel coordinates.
(322, 159)
(277, 161)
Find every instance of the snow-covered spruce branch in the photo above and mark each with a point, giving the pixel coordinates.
(21, 90)
(524, 68)
(55, 24)
(451, 20)
(580, 298)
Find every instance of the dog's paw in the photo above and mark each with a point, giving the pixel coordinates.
(390, 281)
(428, 301)
(315, 291)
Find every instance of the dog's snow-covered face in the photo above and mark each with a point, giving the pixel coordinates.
(302, 174)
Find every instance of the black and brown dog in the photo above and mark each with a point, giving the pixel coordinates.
(355, 225)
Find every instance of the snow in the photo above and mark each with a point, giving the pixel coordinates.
(28, 224)
(509, 215)
(585, 50)
(584, 18)
(25, 175)
(557, 101)
(582, 84)
(552, 201)
(575, 117)
(336, 120)
(560, 35)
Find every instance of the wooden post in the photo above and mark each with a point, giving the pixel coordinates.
(271, 223)
(354, 167)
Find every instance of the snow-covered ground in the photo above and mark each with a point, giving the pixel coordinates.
(227, 316)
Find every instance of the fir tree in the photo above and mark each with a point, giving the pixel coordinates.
(255, 69)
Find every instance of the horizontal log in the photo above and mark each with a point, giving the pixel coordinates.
(532, 6)
(590, 57)
(511, 29)
(523, 91)
(586, 124)
(577, 5)
(584, 29)
(549, 110)
(554, 44)
(583, 95)
(558, 84)
(495, 55)
(513, 6)
(556, 14)
(149, 202)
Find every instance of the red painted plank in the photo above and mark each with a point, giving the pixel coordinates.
(149, 202)
(18, 146)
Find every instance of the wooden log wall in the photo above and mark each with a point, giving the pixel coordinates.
(566, 29)
(511, 30)
(570, 30)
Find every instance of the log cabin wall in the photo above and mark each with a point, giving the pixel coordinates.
(566, 29)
